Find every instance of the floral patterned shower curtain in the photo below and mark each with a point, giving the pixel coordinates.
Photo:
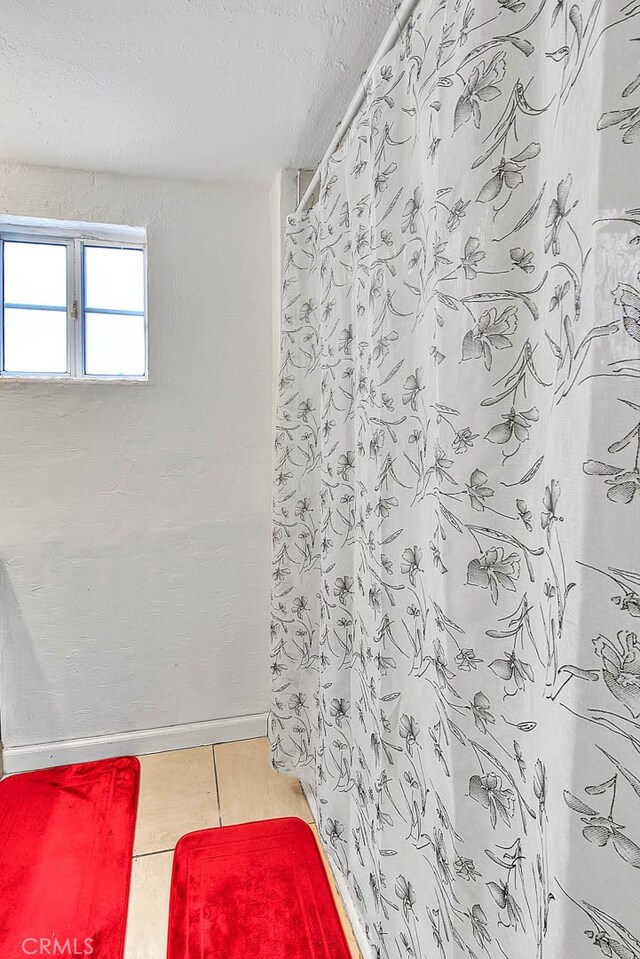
(456, 569)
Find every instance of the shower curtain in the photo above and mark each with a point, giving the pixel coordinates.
(456, 569)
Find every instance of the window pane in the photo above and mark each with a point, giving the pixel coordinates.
(35, 273)
(114, 279)
(35, 341)
(114, 345)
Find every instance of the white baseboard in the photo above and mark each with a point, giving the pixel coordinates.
(41, 755)
(345, 893)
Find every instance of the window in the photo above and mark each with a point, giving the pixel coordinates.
(73, 300)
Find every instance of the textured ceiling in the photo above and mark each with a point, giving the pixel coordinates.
(186, 88)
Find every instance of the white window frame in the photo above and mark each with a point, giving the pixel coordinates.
(75, 236)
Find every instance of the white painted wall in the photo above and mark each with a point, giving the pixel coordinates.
(134, 517)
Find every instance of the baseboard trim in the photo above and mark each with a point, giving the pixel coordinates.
(349, 904)
(42, 755)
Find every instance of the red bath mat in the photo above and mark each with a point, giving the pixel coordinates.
(66, 839)
(255, 891)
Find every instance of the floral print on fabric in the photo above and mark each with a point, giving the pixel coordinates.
(456, 572)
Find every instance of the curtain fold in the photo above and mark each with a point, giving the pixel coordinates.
(456, 573)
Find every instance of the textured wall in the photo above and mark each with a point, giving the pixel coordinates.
(134, 518)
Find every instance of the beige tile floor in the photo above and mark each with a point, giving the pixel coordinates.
(198, 789)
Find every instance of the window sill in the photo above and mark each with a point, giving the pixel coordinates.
(73, 379)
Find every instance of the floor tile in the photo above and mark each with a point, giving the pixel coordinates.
(344, 919)
(148, 918)
(249, 789)
(177, 795)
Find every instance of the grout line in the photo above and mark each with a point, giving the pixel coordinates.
(215, 775)
(154, 852)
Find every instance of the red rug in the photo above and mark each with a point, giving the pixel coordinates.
(255, 891)
(66, 839)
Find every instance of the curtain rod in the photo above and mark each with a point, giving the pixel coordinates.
(402, 14)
